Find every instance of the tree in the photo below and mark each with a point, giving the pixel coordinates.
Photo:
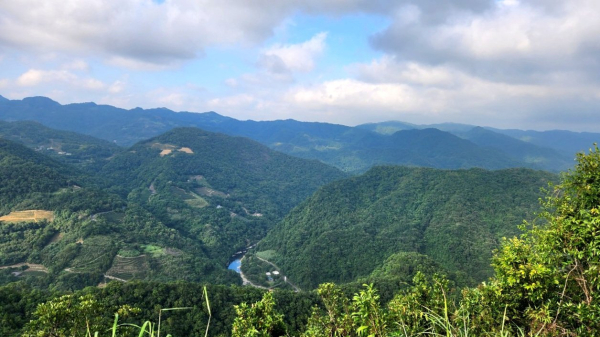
(549, 277)
(259, 319)
(71, 315)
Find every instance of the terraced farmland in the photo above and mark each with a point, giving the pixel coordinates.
(128, 268)
(28, 216)
(190, 198)
(95, 255)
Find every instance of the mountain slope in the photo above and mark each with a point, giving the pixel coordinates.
(534, 155)
(357, 150)
(538, 152)
(224, 191)
(71, 234)
(24, 172)
(349, 228)
(65, 146)
(566, 142)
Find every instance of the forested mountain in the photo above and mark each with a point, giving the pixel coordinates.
(65, 146)
(350, 228)
(544, 155)
(174, 207)
(534, 155)
(222, 191)
(565, 142)
(71, 233)
(352, 149)
(25, 173)
(357, 151)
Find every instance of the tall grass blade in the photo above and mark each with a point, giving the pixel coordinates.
(209, 313)
(114, 327)
(167, 309)
(143, 328)
(159, 314)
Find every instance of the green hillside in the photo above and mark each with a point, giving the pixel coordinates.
(358, 150)
(25, 174)
(535, 156)
(58, 230)
(543, 151)
(223, 191)
(349, 228)
(174, 207)
(64, 146)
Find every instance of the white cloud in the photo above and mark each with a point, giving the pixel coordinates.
(93, 84)
(356, 95)
(278, 65)
(469, 99)
(511, 41)
(117, 87)
(388, 70)
(474, 61)
(77, 65)
(36, 77)
(242, 101)
(294, 57)
(142, 32)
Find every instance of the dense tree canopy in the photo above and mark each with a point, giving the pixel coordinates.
(349, 228)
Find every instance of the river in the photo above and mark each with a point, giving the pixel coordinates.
(235, 265)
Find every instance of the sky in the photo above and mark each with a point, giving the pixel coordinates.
(527, 64)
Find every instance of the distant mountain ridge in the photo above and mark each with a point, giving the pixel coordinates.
(65, 146)
(352, 149)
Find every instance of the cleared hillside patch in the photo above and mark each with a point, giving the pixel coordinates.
(28, 216)
(166, 149)
(209, 192)
(31, 267)
(190, 198)
(128, 268)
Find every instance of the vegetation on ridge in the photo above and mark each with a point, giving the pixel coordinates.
(350, 228)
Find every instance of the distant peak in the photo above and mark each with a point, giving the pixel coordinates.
(40, 101)
(3, 99)
(84, 104)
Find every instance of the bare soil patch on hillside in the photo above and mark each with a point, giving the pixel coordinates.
(31, 215)
(32, 267)
(165, 152)
(167, 149)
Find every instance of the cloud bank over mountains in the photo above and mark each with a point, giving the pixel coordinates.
(525, 64)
